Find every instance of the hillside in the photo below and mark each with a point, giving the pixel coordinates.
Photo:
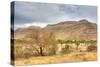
(68, 40)
(77, 30)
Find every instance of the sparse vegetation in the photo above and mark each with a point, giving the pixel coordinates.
(92, 48)
(71, 57)
(48, 46)
(54, 44)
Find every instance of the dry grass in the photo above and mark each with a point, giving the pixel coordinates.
(71, 57)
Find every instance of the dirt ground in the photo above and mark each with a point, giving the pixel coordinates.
(64, 58)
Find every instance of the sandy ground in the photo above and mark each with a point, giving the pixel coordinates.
(71, 57)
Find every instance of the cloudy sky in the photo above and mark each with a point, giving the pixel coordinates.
(41, 14)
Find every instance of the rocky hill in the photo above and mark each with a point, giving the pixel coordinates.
(69, 30)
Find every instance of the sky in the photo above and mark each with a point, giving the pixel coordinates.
(41, 14)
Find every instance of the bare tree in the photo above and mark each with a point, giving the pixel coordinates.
(43, 41)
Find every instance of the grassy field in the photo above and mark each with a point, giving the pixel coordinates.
(71, 57)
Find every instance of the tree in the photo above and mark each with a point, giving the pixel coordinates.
(50, 42)
(77, 45)
(66, 49)
(37, 45)
(45, 39)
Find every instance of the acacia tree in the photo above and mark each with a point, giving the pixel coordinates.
(43, 40)
(50, 43)
(37, 45)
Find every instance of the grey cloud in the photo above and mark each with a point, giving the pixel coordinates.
(27, 12)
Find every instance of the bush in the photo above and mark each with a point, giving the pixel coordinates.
(66, 49)
(92, 48)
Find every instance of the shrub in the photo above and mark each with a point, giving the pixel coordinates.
(66, 49)
(92, 48)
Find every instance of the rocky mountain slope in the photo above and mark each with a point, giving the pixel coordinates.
(66, 30)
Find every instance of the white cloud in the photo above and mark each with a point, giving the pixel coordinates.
(30, 24)
(35, 24)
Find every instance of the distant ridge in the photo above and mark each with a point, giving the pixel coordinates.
(78, 30)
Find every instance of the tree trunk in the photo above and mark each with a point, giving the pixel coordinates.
(41, 51)
(77, 46)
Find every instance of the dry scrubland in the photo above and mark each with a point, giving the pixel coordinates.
(72, 57)
(68, 41)
(26, 55)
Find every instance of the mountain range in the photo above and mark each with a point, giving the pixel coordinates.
(65, 30)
